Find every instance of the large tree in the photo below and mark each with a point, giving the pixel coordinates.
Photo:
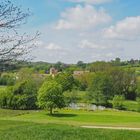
(100, 91)
(124, 82)
(13, 44)
(66, 80)
(50, 96)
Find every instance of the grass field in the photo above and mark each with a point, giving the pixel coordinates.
(78, 118)
(14, 130)
(65, 125)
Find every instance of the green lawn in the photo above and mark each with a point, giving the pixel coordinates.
(14, 130)
(101, 118)
(65, 125)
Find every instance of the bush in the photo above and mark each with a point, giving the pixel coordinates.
(5, 98)
(24, 95)
(7, 79)
(118, 101)
(21, 96)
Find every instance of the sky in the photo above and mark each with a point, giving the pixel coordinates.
(86, 30)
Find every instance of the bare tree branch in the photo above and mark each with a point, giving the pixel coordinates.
(13, 45)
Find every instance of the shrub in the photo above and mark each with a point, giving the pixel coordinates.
(23, 95)
(5, 98)
(7, 79)
(118, 101)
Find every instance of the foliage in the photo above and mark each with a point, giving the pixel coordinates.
(99, 66)
(66, 80)
(100, 90)
(7, 79)
(5, 98)
(50, 96)
(124, 82)
(21, 96)
(83, 81)
(118, 101)
(71, 97)
(24, 95)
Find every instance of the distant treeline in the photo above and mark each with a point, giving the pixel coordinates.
(44, 67)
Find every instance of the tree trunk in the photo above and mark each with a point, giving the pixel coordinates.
(51, 110)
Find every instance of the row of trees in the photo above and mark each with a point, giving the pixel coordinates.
(30, 90)
(115, 82)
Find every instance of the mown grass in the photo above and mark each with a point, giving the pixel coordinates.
(6, 113)
(79, 117)
(14, 130)
(65, 125)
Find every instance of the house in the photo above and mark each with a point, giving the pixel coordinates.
(53, 71)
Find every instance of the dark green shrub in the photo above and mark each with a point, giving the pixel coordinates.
(118, 101)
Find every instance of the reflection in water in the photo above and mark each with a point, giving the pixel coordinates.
(86, 106)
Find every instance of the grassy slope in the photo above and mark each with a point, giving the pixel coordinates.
(13, 130)
(102, 118)
(17, 125)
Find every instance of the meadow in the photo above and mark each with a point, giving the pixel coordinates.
(66, 125)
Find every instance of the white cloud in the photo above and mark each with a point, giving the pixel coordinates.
(82, 17)
(53, 46)
(128, 28)
(85, 44)
(90, 1)
(109, 54)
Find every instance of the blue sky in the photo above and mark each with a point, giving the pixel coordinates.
(87, 30)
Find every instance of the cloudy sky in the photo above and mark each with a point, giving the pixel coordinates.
(87, 30)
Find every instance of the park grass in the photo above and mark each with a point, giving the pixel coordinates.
(77, 117)
(6, 113)
(65, 125)
(14, 130)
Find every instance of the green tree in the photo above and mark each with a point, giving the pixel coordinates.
(116, 62)
(66, 80)
(81, 64)
(100, 66)
(84, 80)
(24, 95)
(100, 90)
(124, 82)
(50, 96)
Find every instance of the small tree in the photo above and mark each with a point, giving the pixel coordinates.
(50, 96)
(118, 101)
